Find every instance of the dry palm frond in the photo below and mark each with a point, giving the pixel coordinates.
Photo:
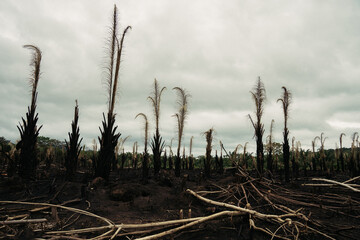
(286, 100)
(182, 114)
(118, 60)
(115, 51)
(157, 143)
(145, 169)
(155, 101)
(191, 144)
(181, 117)
(35, 76)
(341, 135)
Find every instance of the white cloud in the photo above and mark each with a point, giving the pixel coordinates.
(214, 49)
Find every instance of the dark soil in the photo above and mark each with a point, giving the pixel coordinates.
(125, 199)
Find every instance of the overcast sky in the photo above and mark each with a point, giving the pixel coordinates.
(214, 49)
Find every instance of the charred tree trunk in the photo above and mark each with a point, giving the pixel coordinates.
(73, 146)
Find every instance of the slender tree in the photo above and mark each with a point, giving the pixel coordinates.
(28, 129)
(352, 165)
(322, 152)
(286, 100)
(73, 147)
(259, 97)
(164, 159)
(121, 150)
(209, 137)
(180, 117)
(293, 156)
(171, 154)
(341, 153)
(108, 137)
(191, 159)
(184, 161)
(270, 148)
(244, 156)
(145, 162)
(313, 143)
(134, 155)
(221, 161)
(157, 143)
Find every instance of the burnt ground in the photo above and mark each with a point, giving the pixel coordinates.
(331, 210)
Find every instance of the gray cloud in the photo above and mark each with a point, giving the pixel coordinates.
(214, 49)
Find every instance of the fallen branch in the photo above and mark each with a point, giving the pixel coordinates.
(126, 226)
(338, 183)
(201, 220)
(8, 222)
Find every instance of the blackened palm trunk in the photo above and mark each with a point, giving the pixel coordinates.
(73, 146)
(157, 146)
(191, 163)
(314, 163)
(286, 156)
(28, 154)
(171, 163)
(28, 129)
(145, 167)
(260, 153)
(177, 165)
(270, 160)
(164, 160)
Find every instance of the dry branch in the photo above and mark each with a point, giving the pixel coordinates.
(338, 183)
(8, 222)
(201, 220)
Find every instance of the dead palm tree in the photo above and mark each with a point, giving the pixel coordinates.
(73, 147)
(313, 143)
(180, 117)
(209, 137)
(270, 148)
(245, 163)
(221, 161)
(145, 162)
(109, 138)
(259, 97)
(293, 156)
(341, 153)
(352, 165)
(28, 129)
(157, 143)
(286, 100)
(171, 154)
(322, 151)
(121, 150)
(191, 159)
(134, 155)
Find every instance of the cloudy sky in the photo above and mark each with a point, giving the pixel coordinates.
(214, 49)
